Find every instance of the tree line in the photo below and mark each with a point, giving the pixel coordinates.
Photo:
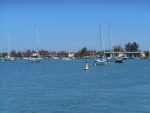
(129, 47)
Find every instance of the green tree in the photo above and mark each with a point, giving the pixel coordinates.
(146, 54)
(132, 47)
(42, 51)
(77, 54)
(18, 54)
(118, 48)
(83, 51)
(13, 53)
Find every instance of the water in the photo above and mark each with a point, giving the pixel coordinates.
(65, 87)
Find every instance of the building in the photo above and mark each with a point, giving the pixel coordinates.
(27, 54)
(128, 54)
(65, 54)
(90, 54)
(49, 54)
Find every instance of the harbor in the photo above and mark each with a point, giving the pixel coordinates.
(74, 56)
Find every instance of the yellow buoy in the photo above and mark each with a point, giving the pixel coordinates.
(86, 66)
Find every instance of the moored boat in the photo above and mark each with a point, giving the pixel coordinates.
(111, 57)
(35, 58)
(66, 58)
(125, 57)
(119, 60)
(8, 57)
(101, 60)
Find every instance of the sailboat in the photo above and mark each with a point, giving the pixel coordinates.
(101, 60)
(8, 57)
(111, 57)
(125, 57)
(119, 58)
(35, 57)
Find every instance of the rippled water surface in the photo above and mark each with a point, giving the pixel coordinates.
(65, 87)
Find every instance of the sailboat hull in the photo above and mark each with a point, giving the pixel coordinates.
(110, 59)
(35, 60)
(118, 61)
(100, 62)
(8, 59)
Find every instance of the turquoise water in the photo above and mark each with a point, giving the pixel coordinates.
(65, 87)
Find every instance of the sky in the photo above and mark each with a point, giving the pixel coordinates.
(70, 25)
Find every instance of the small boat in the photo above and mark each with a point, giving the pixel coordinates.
(125, 57)
(8, 57)
(35, 58)
(110, 59)
(100, 61)
(120, 56)
(25, 58)
(72, 57)
(119, 60)
(55, 58)
(66, 58)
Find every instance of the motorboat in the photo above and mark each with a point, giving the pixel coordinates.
(35, 58)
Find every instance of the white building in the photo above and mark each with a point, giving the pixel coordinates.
(128, 54)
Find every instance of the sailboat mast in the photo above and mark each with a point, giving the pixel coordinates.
(37, 40)
(110, 38)
(8, 47)
(101, 39)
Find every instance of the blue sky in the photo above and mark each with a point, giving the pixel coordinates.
(70, 25)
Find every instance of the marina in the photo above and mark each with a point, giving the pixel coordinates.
(74, 56)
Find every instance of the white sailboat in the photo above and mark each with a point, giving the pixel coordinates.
(101, 60)
(119, 58)
(125, 57)
(35, 57)
(111, 57)
(8, 57)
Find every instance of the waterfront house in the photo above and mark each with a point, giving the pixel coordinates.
(27, 54)
(65, 54)
(49, 54)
